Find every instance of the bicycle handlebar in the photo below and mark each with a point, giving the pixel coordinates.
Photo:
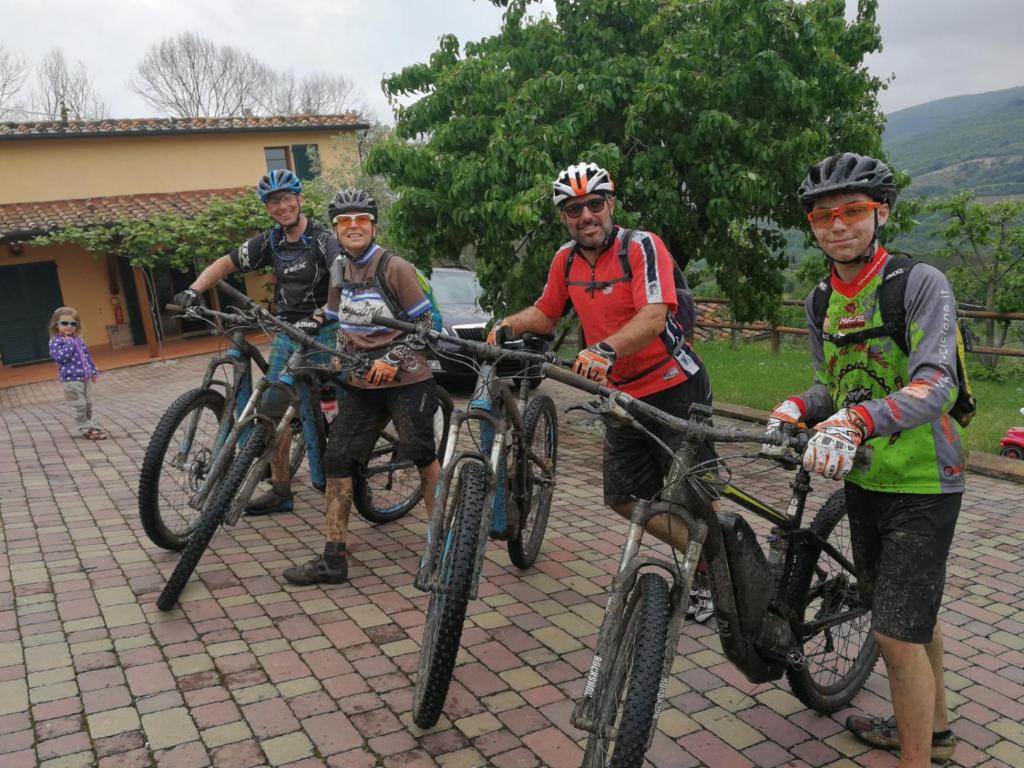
(228, 317)
(303, 339)
(693, 430)
(489, 352)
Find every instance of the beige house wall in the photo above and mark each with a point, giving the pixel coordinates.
(33, 170)
(84, 285)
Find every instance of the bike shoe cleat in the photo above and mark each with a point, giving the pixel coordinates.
(269, 503)
(317, 571)
(701, 607)
(884, 734)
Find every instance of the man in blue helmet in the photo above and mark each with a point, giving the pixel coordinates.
(300, 251)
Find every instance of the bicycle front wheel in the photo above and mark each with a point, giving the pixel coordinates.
(628, 698)
(177, 462)
(442, 631)
(389, 486)
(537, 481)
(214, 515)
(839, 658)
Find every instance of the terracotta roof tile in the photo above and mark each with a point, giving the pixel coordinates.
(177, 125)
(22, 221)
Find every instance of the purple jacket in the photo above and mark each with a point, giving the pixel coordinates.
(74, 363)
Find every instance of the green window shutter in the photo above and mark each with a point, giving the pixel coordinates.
(301, 155)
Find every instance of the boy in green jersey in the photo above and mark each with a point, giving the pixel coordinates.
(903, 508)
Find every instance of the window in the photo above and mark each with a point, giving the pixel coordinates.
(306, 156)
(276, 157)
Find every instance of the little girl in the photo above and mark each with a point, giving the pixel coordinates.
(75, 369)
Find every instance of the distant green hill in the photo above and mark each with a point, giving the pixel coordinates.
(964, 142)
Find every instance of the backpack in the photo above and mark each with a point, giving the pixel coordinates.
(392, 300)
(685, 314)
(892, 304)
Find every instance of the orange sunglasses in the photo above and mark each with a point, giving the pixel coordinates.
(851, 213)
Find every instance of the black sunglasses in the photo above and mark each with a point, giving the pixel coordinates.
(573, 210)
(68, 323)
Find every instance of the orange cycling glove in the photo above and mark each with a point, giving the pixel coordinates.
(382, 371)
(595, 362)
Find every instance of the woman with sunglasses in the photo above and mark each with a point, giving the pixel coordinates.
(904, 507)
(75, 369)
(398, 387)
(636, 343)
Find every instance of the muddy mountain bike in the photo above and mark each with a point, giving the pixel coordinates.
(244, 460)
(497, 485)
(184, 464)
(796, 611)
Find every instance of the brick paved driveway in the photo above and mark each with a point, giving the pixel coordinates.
(250, 673)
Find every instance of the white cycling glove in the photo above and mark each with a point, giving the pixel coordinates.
(831, 450)
(786, 412)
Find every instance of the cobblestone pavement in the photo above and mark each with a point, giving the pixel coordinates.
(249, 672)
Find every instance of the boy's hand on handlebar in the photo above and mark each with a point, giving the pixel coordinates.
(492, 335)
(382, 371)
(189, 298)
(595, 362)
(832, 449)
(786, 413)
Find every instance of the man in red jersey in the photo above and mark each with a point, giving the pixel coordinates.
(635, 342)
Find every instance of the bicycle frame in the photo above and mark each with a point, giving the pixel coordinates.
(498, 427)
(237, 392)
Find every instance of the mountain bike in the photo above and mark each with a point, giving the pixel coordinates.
(795, 611)
(184, 465)
(499, 486)
(243, 462)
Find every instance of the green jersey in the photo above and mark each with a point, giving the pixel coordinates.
(904, 399)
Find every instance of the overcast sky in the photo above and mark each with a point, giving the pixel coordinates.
(934, 48)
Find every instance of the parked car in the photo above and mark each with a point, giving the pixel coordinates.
(458, 292)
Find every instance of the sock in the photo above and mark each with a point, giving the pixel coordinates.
(282, 488)
(334, 553)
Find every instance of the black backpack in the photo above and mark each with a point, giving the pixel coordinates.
(892, 304)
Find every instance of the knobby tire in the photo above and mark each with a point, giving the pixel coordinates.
(446, 613)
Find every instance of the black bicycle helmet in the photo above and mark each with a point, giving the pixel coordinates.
(278, 180)
(848, 172)
(352, 201)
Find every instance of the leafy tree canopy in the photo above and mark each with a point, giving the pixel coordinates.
(706, 113)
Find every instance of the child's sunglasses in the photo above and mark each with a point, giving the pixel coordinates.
(68, 323)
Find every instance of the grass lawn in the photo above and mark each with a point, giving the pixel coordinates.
(751, 375)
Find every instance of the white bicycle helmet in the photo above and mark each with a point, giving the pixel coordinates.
(579, 180)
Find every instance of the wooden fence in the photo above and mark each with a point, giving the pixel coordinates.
(775, 332)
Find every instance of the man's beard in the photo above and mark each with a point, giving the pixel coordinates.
(593, 242)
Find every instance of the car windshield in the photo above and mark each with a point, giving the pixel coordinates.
(456, 287)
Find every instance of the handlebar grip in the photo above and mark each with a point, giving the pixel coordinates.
(398, 325)
(234, 293)
(552, 371)
(173, 308)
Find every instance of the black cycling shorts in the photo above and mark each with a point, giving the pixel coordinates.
(900, 546)
(635, 466)
(362, 416)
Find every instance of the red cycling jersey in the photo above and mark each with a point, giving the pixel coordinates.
(605, 302)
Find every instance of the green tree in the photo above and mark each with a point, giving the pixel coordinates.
(986, 243)
(706, 113)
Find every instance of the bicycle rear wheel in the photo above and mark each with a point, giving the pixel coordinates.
(389, 486)
(628, 697)
(240, 468)
(176, 465)
(536, 483)
(442, 631)
(840, 658)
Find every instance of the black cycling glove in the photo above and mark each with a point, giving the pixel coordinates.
(190, 297)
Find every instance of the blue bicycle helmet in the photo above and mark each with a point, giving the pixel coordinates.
(278, 180)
